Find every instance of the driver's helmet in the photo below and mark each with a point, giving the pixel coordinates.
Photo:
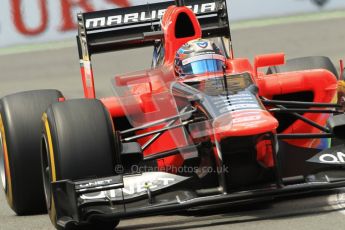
(198, 57)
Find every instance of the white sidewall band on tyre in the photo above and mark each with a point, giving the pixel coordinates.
(2, 165)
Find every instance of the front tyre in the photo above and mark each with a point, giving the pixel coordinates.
(78, 143)
(20, 134)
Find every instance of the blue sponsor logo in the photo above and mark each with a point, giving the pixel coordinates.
(202, 44)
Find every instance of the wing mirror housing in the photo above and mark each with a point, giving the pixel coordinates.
(267, 60)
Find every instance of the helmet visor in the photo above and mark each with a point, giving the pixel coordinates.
(203, 64)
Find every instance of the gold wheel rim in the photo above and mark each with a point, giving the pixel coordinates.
(51, 168)
(6, 165)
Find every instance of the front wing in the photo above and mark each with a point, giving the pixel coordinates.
(121, 197)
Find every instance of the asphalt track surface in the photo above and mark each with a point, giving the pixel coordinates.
(60, 69)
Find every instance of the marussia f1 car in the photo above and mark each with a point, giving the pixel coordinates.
(163, 143)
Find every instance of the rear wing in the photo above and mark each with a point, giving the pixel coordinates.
(139, 26)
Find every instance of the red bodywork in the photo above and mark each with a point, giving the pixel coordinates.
(149, 96)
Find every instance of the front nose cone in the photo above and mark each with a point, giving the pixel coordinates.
(245, 123)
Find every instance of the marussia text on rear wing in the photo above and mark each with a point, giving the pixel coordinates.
(139, 26)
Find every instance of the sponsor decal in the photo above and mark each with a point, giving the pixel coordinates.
(338, 158)
(36, 21)
(143, 16)
(95, 183)
(203, 57)
(202, 45)
(241, 101)
(230, 108)
(136, 186)
(246, 119)
(331, 156)
(121, 3)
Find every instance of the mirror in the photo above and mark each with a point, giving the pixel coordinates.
(267, 60)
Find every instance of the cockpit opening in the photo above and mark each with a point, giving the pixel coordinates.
(184, 26)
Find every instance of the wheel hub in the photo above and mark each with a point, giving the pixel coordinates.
(46, 172)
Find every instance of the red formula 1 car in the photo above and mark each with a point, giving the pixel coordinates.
(164, 142)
